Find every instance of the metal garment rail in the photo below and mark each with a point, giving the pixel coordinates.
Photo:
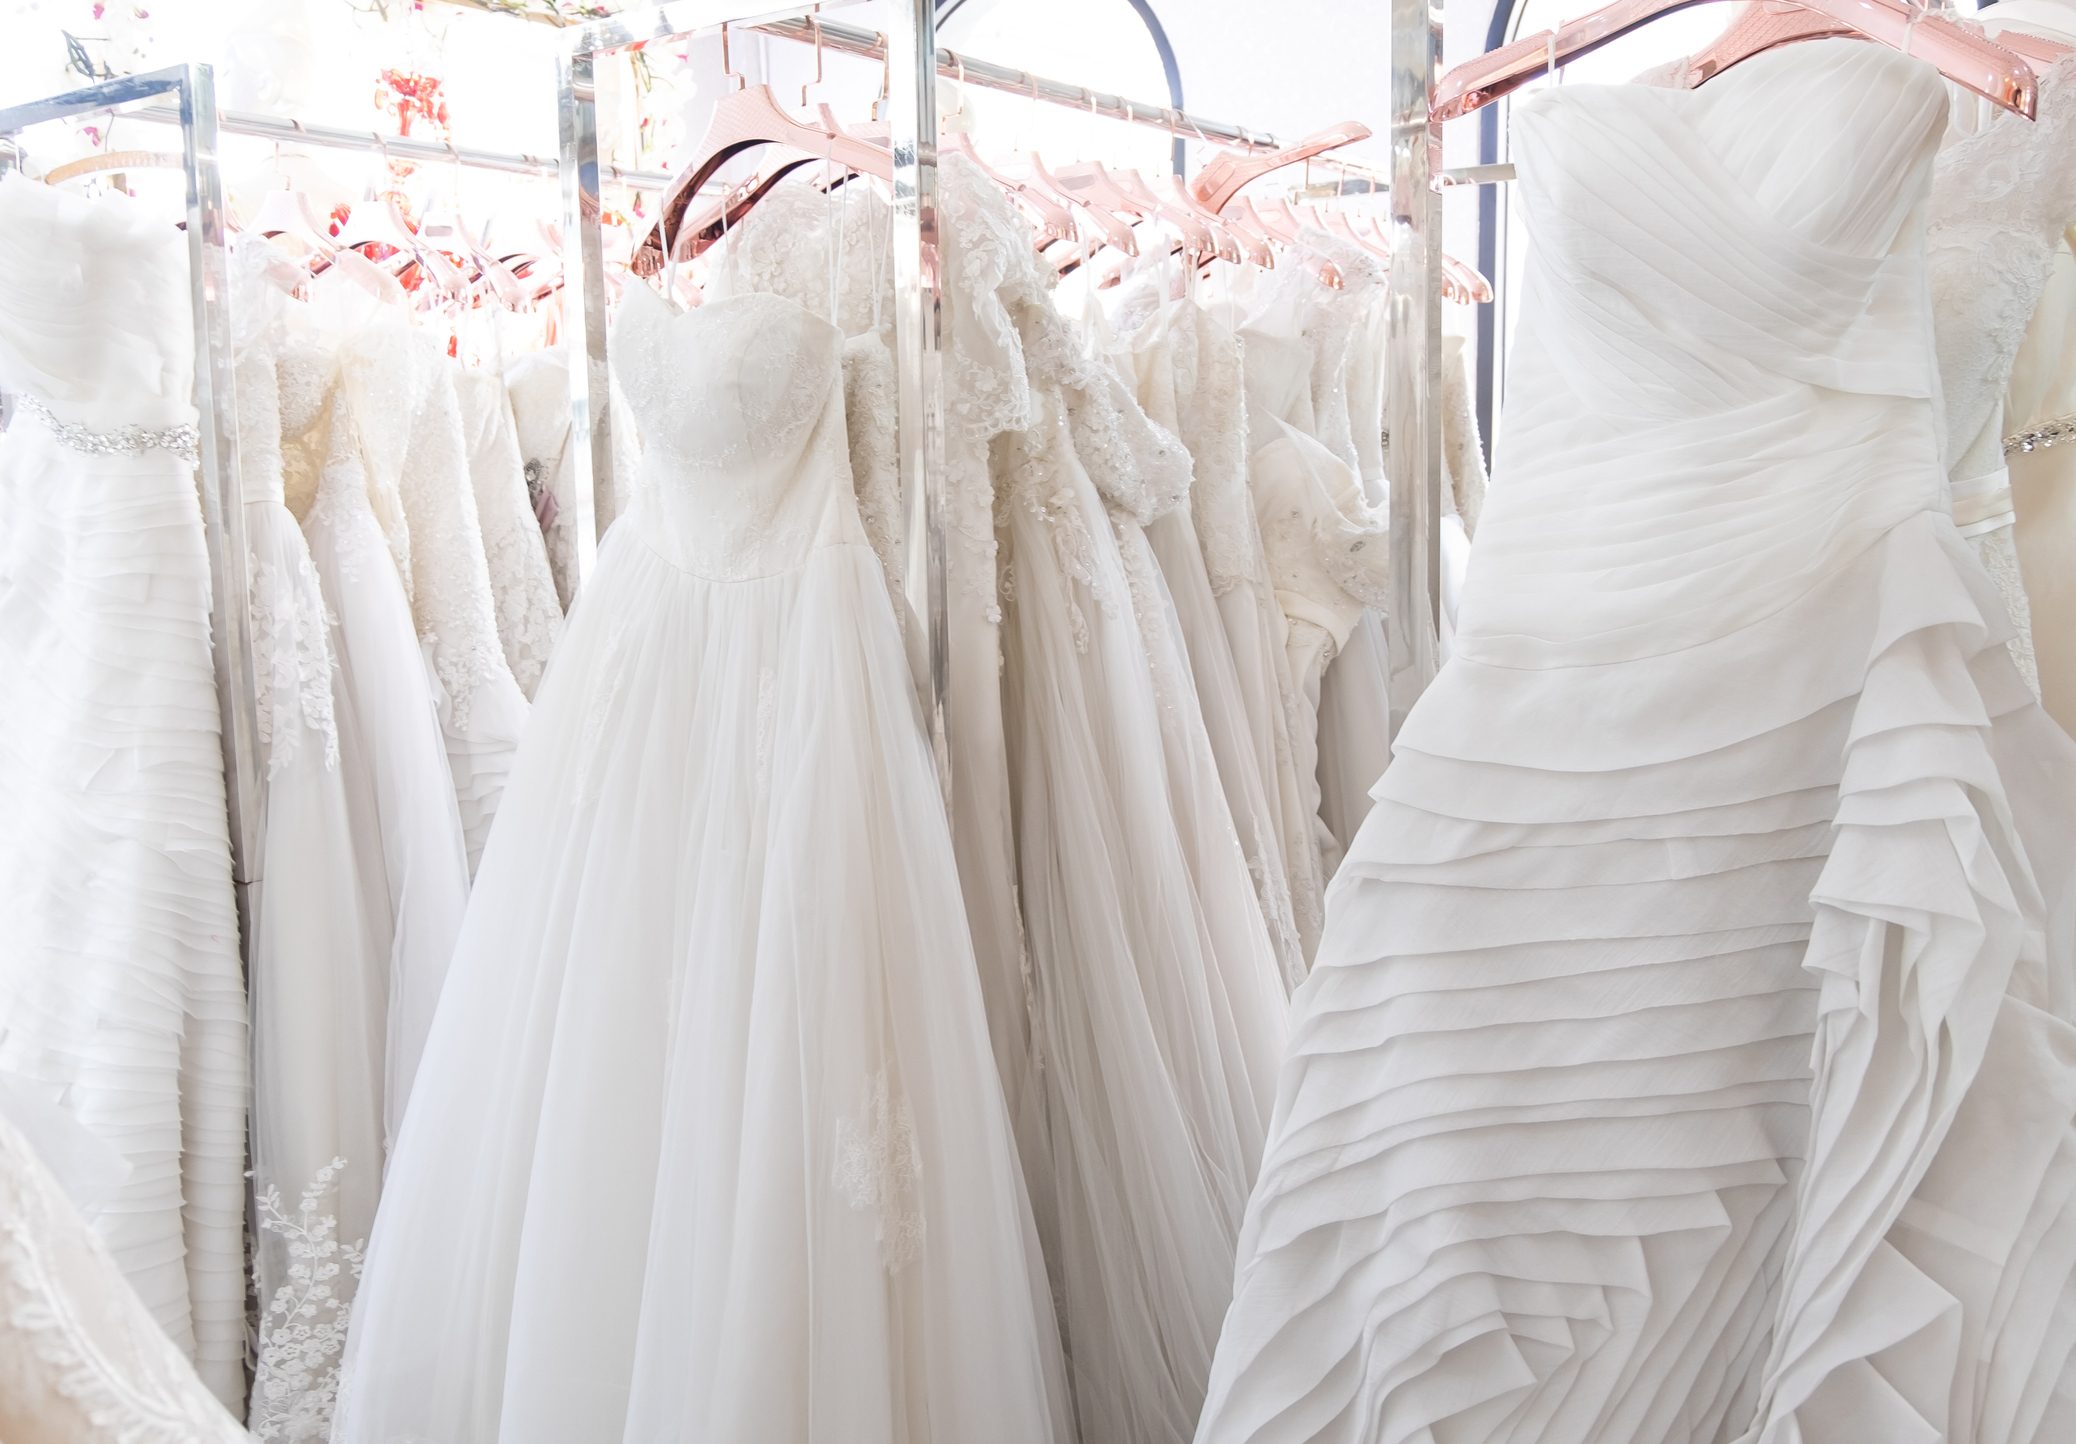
(331, 137)
(193, 89)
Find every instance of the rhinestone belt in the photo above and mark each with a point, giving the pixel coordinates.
(2048, 433)
(182, 440)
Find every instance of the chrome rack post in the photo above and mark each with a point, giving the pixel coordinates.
(193, 89)
(1413, 332)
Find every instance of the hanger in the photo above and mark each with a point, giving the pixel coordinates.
(1763, 26)
(113, 160)
(1115, 232)
(1227, 173)
(744, 118)
(1280, 223)
(1055, 222)
(1967, 59)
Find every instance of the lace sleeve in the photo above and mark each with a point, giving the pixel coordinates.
(1463, 451)
(2000, 199)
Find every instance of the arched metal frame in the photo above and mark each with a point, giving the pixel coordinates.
(1165, 48)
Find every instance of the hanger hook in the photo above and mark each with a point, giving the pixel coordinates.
(886, 76)
(814, 26)
(728, 71)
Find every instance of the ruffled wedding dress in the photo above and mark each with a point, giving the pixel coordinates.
(1689, 1055)
(319, 958)
(408, 838)
(121, 995)
(708, 1143)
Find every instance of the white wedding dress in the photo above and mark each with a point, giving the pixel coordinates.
(707, 1144)
(522, 584)
(121, 995)
(318, 962)
(81, 1359)
(408, 840)
(1689, 1055)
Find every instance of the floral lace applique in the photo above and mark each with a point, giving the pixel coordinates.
(878, 1169)
(292, 660)
(302, 1335)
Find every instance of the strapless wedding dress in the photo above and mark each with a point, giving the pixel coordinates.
(707, 1141)
(1689, 1056)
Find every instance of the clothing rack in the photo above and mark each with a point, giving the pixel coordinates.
(193, 92)
(295, 132)
(1413, 317)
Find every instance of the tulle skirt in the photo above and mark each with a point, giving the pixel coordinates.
(708, 1143)
(1693, 1062)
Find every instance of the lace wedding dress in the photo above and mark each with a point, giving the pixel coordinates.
(1160, 349)
(1688, 1056)
(82, 1361)
(120, 990)
(401, 387)
(529, 611)
(2001, 198)
(707, 1143)
(318, 959)
(408, 838)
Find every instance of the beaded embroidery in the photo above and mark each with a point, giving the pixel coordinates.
(183, 440)
(2049, 433)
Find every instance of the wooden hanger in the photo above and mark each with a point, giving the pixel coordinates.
(1770, 23)
(1968, 59)
(114, 160)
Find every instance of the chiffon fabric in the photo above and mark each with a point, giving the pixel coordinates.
(522, 584)
(121, 996)
(707, 1142)
(1689, 1054)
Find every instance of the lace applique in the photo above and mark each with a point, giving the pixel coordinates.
(788, 246)
(1172, 688)
(2000, 199)
(1999, 557)
(302, 1336)
(1039, 481)
(1463, 449)
(869, 407)
(124, 1378)
(529, 614)
(878, 1169)
(1214, 430)
(292, 659)
(451, 595)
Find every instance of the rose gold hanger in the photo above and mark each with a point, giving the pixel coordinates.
(1276, 220)
(1771, 23)
(747, 117)
(1229, 172)
(1967, 59)
(1055, 222)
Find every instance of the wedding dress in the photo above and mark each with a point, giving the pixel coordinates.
(82, 1361)
(522, 585)
(2001, 197)
(402, 388)
(1689, 1054)
(318, 959)
(707, 1142)
(120, 990)
(408, 838)
(1159, 349)
(538, 386)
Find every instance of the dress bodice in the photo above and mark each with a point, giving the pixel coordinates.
(744, 454)
(99, 324)
(1731, 283)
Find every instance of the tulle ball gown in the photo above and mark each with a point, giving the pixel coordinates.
(1688, 1055)
(708, 1143)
